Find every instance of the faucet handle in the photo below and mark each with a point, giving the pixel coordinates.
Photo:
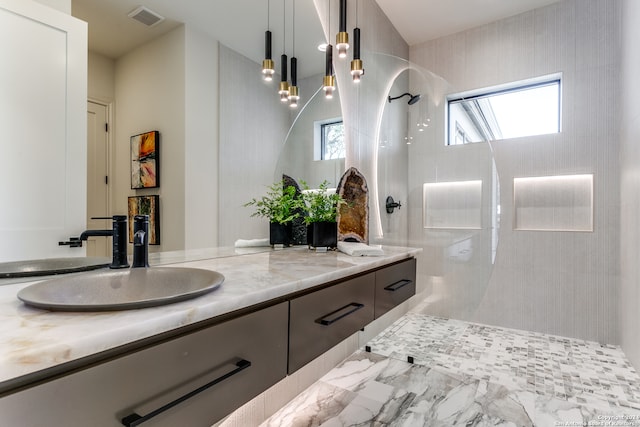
(140, 241)
(74, 242)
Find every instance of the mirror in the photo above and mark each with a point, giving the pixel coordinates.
(449, 195)
(300, 157)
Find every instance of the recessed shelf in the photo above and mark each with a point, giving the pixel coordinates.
(452, 205)
(553, 203)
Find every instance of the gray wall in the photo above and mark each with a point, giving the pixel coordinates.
(253, 127)
(629, 314)
(562, 283)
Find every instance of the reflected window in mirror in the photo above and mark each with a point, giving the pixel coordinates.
(329, 141)
(513, 110)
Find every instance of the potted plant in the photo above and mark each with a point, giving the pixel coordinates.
(279, 206)
(321, 208)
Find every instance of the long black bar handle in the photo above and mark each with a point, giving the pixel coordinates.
(397, 285)
(134, 419)
(350, 308)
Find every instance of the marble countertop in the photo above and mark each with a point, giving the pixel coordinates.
(33, 340)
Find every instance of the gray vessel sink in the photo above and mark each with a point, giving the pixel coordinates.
(48, 266)
(108, 290)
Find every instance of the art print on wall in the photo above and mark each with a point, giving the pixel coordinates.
(146, 205)
(145, 160)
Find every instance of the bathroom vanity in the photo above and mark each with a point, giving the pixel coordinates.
(193, 362)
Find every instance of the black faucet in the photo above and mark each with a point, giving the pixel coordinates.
(119, 233)
(140, 241)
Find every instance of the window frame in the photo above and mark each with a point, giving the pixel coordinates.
(319, 139)
(521, 85)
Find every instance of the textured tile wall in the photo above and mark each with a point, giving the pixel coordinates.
(552, 282)
(629, 315)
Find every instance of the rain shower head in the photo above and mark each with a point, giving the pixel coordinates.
(412, 98)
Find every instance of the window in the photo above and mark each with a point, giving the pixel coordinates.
(509, 111)
(330, 140)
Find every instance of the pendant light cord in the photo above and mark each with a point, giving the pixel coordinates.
(329, 21)
(268, 11)
(293, 24)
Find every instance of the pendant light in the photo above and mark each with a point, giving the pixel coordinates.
(284, 85)
(268, 67)
(328, 82)
(357, 68)
(342, 38)
(294, 96)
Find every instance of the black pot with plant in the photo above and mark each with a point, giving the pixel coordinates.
(279, 206)
(321, 207)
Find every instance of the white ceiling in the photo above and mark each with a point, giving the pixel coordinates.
(240, 24)
(422, 20)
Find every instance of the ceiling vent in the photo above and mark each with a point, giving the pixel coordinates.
(146, 16)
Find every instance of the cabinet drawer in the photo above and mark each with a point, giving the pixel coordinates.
(394, 285)
(322, 319)
(247, 355)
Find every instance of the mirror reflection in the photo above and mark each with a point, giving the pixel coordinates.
(314, 149)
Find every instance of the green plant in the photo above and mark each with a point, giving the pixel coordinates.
(320, 205)
(278, 205)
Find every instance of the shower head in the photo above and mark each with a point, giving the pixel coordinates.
(412, 98)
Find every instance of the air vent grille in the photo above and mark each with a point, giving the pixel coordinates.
(146, 16)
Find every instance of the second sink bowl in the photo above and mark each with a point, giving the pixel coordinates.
(108, 290)
(45, 267)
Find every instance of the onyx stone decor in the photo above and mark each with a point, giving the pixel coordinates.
(353, 216)
(298, 228)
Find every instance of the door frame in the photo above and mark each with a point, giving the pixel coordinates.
(110, 148)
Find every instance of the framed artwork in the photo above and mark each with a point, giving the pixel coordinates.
(146, 205)
(145, 160)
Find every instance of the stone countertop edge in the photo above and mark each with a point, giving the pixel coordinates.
(32, 340)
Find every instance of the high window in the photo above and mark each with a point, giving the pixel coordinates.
(329, 140)
(509, 111)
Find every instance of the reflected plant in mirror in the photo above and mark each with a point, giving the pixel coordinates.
(280, 206)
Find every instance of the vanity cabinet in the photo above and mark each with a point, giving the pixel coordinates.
(196, 375)
(323, 318)
(394, 284)
(239, 359)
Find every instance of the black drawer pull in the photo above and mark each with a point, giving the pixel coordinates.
(397, 285)
(328, 319)
(135, 419)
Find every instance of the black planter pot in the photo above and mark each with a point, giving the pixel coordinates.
(279, 234)
(322, 234)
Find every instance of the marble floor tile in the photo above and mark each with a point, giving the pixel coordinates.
(429, 371)
(576, 370)
(373, 390)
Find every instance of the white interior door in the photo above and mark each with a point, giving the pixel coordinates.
(43, 96)
(98, 177)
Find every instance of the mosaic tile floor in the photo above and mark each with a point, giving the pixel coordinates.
(465, 374)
